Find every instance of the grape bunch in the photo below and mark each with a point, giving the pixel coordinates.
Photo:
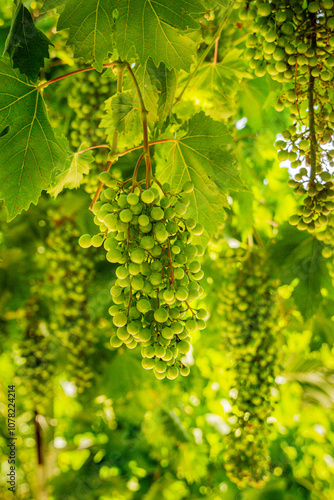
(146, 233)
(250, 327)
(67, 282)
(86, 99)
(294, 43)
(282, 36)
(317, 205)
(38, 351)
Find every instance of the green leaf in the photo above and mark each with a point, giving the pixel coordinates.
(298, 256)
(90, 24)
(216, 86)
(72, 177)
(146, 78)
(198, 157)
(168, 81)
(51, 4)
(119, 112)
(152, 29)
(26, 45)
(29, 150)
(121, 115)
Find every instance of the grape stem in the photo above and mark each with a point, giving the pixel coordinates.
(170, 263)
(126, 151)
(66, 75)
(313, 137)
(130, 297)
(144, 114)
(135, 172)
(215, 57)
(120, 73)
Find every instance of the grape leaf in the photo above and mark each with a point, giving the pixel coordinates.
(119, 112)
(121, 115)
(29, 149)
(146, 79)
(215, 87)
(153, 27)
(26, 45)
(297, 256)
(90, 24)
(167, 80)
(198, 157)
(72, 177)
(51, 4)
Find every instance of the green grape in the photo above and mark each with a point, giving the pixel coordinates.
(85, 241)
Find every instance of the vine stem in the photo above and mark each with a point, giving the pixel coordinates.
(313, 137)
(207, 50)
(66, 75)
(170, 263)
(126, 151)
(144, 114)
(120, 74)
(215, 57)
(135, 173)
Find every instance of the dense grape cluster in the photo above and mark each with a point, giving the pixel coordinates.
(38, 352)
(294, 43)
(68, 278)
(249, 320)
(282, 40)
(146, 234)
(317, 205)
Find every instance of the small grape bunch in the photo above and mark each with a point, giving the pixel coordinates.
(147, 234)
(317, 204)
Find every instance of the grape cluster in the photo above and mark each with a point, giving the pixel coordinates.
(317, 205)
(249, 320)
(294, 43)
(68, 278)
(281, 41)
(38, 351)
(86, 99)
(146, 234)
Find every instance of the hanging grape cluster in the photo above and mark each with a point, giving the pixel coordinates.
(249, 321)
(146, 234)
(294, 43)
(68, 276)
(38, 352)
(86, 98)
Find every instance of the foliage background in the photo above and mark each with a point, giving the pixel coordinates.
(130, 436)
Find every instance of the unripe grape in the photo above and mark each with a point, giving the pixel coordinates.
(160, 366)
(115, 341)
(184, 370)
(167, 333)
(85, 241)
(137, 256)
(183, 346)
(161, 315)
(157, 213)
(190, 325)
(149, 351)
(120, 319)
(188, 187)
(148, 196)
(172, 372)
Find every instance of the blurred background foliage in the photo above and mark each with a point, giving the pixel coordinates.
(119, 433)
